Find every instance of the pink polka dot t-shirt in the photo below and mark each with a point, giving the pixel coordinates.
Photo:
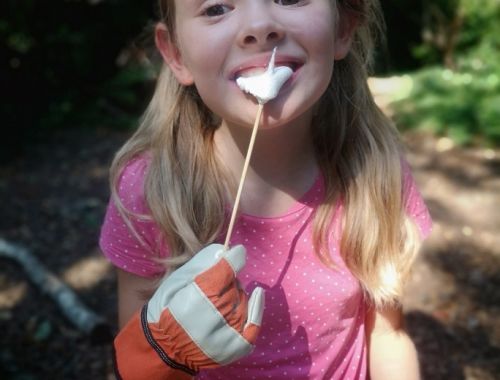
(313, 324)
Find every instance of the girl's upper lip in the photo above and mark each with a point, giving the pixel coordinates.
(263, 60)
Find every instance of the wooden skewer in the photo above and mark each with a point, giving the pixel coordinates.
(243, 175)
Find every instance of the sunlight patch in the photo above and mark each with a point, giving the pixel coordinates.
(12, 295)
(87, 272)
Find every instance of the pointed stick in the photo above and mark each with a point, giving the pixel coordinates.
(68, 301)
(243, 175)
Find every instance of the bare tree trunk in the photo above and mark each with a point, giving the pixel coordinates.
(443, 31)
(454, 30)
(73, 309)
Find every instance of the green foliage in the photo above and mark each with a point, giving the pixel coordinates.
(433, 32)
(462, 99)
(60, 66)
(453, 28)
(464, 105)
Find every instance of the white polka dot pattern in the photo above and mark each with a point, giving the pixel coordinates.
(313, 326)
(121, 245)
(313, 315)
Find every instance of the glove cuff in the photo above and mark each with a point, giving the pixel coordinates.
(159, 350)
(137, 355)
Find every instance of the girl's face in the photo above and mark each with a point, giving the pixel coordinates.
(218, 40)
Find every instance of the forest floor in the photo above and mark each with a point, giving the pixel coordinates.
(53, 198)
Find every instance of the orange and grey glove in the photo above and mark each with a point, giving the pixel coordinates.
(198, 318)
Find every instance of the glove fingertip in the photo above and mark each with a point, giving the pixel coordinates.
(250, 333)
(256, 305)
(236, 257)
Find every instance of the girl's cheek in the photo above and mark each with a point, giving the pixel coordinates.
(206, 47)
(318, 33)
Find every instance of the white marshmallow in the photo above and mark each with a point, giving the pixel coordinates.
(267, 85)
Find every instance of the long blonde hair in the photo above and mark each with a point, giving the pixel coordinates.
(357, 149)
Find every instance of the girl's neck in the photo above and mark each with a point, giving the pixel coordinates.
(282, 168)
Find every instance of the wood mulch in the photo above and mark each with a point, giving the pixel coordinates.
(53, 199)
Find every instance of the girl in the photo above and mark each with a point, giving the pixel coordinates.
(330, 215)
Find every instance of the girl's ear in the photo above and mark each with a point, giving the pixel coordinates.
(171, 55)
(347, 22)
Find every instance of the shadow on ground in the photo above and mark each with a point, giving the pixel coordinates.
(53, 200)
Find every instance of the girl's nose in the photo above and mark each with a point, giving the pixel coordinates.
(260, 28)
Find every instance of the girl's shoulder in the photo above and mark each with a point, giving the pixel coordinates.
(130, 185)
(129, 237)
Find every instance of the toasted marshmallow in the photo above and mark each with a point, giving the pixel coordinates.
(266, 86)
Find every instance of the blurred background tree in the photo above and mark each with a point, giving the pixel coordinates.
(453, 89)
(68, 63)
(73, 63)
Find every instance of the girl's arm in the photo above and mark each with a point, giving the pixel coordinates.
(133, 293)
(392, 353)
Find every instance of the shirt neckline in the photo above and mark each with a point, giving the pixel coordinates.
(309, 200)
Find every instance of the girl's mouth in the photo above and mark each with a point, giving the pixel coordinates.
(257, 70)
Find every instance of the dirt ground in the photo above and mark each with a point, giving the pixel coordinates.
(53, 198)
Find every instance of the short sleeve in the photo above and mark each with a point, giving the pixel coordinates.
(414, 203)
(135, 250)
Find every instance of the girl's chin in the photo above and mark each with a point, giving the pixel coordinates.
(278, 112)
(267, 122)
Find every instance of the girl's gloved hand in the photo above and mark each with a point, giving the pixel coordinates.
(198, 318)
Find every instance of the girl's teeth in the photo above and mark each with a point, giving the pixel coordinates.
(252, 72)
(265, 85)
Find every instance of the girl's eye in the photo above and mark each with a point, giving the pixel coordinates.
(217, 10)
(287, 2)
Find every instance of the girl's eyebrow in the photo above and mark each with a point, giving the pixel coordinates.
(193, 3)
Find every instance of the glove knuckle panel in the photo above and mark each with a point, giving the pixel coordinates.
(207, 327)
(215, 279)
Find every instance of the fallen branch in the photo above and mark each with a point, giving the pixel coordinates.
(73, 309)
